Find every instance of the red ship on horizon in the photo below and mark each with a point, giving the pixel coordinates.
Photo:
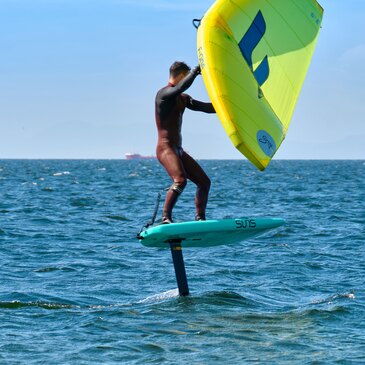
(137, 156)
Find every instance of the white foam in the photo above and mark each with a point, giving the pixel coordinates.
(174, 293)
(62, 173)
(332, 298)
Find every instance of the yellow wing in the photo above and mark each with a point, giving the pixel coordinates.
(254, 56)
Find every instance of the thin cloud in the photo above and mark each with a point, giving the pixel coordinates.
(353, 60)
(166, 5)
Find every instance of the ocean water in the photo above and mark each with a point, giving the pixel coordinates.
(78, 288)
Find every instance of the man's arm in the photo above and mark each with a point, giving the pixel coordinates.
(199, 106)
(184, 84)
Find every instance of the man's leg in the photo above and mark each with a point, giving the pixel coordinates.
(197, 175)
(174, 167)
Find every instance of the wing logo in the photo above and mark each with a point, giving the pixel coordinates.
(266, 142)
(249, 42)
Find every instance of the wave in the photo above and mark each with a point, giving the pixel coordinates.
(82, 202)
(251, 309)
(39, 304)
(54, 268)
(161, 297)
(118, 218)
(217, 298)
(61, 173)
(334, 297)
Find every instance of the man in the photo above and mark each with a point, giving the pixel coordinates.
(170, 105)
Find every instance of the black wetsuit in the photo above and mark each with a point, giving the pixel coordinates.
(170, 106)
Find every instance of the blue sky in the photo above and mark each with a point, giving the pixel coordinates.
(79, 77)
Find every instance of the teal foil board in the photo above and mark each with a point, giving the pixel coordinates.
(208, 233)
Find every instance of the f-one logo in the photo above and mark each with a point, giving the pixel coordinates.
(247, 45)
(201, 57)
(245, 223)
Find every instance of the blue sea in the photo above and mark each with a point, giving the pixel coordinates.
(78, 288)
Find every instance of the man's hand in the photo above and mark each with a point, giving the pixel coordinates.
(197, 70)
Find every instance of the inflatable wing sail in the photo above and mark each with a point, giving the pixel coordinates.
(254, 56)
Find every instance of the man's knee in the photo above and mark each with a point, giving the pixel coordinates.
(179, 185)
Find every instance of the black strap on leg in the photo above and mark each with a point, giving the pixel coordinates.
(178, 188)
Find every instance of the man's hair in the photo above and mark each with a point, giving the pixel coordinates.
(178, 67)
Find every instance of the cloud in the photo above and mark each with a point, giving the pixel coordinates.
(166, 5)
(353, 59)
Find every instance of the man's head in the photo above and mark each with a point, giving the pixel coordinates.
(178, 71)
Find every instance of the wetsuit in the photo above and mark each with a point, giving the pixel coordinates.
(170, 106)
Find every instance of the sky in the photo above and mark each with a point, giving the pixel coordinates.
(78, 79)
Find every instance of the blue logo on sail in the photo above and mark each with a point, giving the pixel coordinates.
(266, 142)
(247, 45)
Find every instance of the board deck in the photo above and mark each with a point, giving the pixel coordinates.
(208, 233)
